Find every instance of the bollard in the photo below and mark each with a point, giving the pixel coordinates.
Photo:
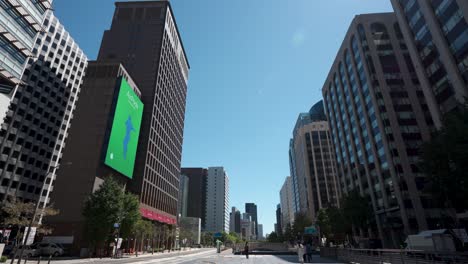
(39, 260)
(50, 257)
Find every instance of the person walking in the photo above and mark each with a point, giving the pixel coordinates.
(309, 251)
(300, 253)
(246, 249)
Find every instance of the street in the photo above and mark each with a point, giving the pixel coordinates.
(203, 256)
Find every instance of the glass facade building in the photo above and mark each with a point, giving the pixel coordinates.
(312, 164)
(378, 118)
(436, 32)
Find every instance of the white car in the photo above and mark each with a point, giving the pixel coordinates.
(49, 249)
(28, 252)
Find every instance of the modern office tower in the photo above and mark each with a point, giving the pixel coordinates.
(20, 23)
(196, 206)
(260, 232)
(292, 169)
(33, 133)
(234, 220)
(314, 163)
(436, 33)
(286, 201)
(378, 119)
(217, 200)
(83, 169)
(251, 208)
(248, 227)
(279, 217)
(145, 39)
(182, 203)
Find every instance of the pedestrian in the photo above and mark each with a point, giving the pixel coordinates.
(309, 251)
(300, 253)
(246, 249)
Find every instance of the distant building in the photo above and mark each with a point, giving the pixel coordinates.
(278, 225)
(313, 163)
(217, 200)
(234, 222)
(196, 195)
(436, 33)
(183, 195)
(286, 201)
(247, 227)
(260, 232)
(251, 208)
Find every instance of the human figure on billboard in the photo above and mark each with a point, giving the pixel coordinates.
(129, 128)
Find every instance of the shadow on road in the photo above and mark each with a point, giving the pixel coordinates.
(315, 259)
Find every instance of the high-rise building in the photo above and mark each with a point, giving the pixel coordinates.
(156, 60)
(217, 200)
(20, 23)
(196, 207)
(292, 169)
(248, 227)
(251, 209)
(278, 225)
(234, 220)
(182, 203)
(260, 232)
(83, 169)
(34, 130)
(436, 34)
(314, 164)
(378, 119)
(286, 202)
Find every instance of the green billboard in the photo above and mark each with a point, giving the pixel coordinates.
(123, 139)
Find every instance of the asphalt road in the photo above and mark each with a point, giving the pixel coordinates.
(203, 256)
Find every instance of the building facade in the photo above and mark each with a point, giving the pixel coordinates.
(260, 232)
(196, 207)
(182, 202)
(436, 34)
(156, 60)
(286, 202)
(279, 217)
(234, 220)
(314, 163)
(20, 24)
(34, 130)
(83, 170)
(217, 200)
(251, 209)
(378, 118)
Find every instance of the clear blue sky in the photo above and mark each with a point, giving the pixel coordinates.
(255, 65)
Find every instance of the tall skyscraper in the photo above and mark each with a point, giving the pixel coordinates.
(234, 221)
(34, 130)
(436, 33)
(183, 195)
(251, 209)
(260, 232)
(197, 188)
(144, 37)
(378, 119)
(217, 200)
(106, 86)
(286, 201)
(278, 225)
(313, 164)
(20, 24)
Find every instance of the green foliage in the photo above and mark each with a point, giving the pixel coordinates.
(357, 209)
(274, 238)
(143, 227)
(444, 160)
(130, 215)
(301, 221)
(288, 233)
(109, 205)
(332, 222)
(3, 259)
(207, 239)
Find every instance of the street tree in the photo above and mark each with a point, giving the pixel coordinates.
(444, 160)
(301, 221)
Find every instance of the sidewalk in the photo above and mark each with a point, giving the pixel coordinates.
(132, 256)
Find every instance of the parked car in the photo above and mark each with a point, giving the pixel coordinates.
(28, 252)
(48, 249)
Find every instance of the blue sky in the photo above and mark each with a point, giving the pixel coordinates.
(255, 65)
